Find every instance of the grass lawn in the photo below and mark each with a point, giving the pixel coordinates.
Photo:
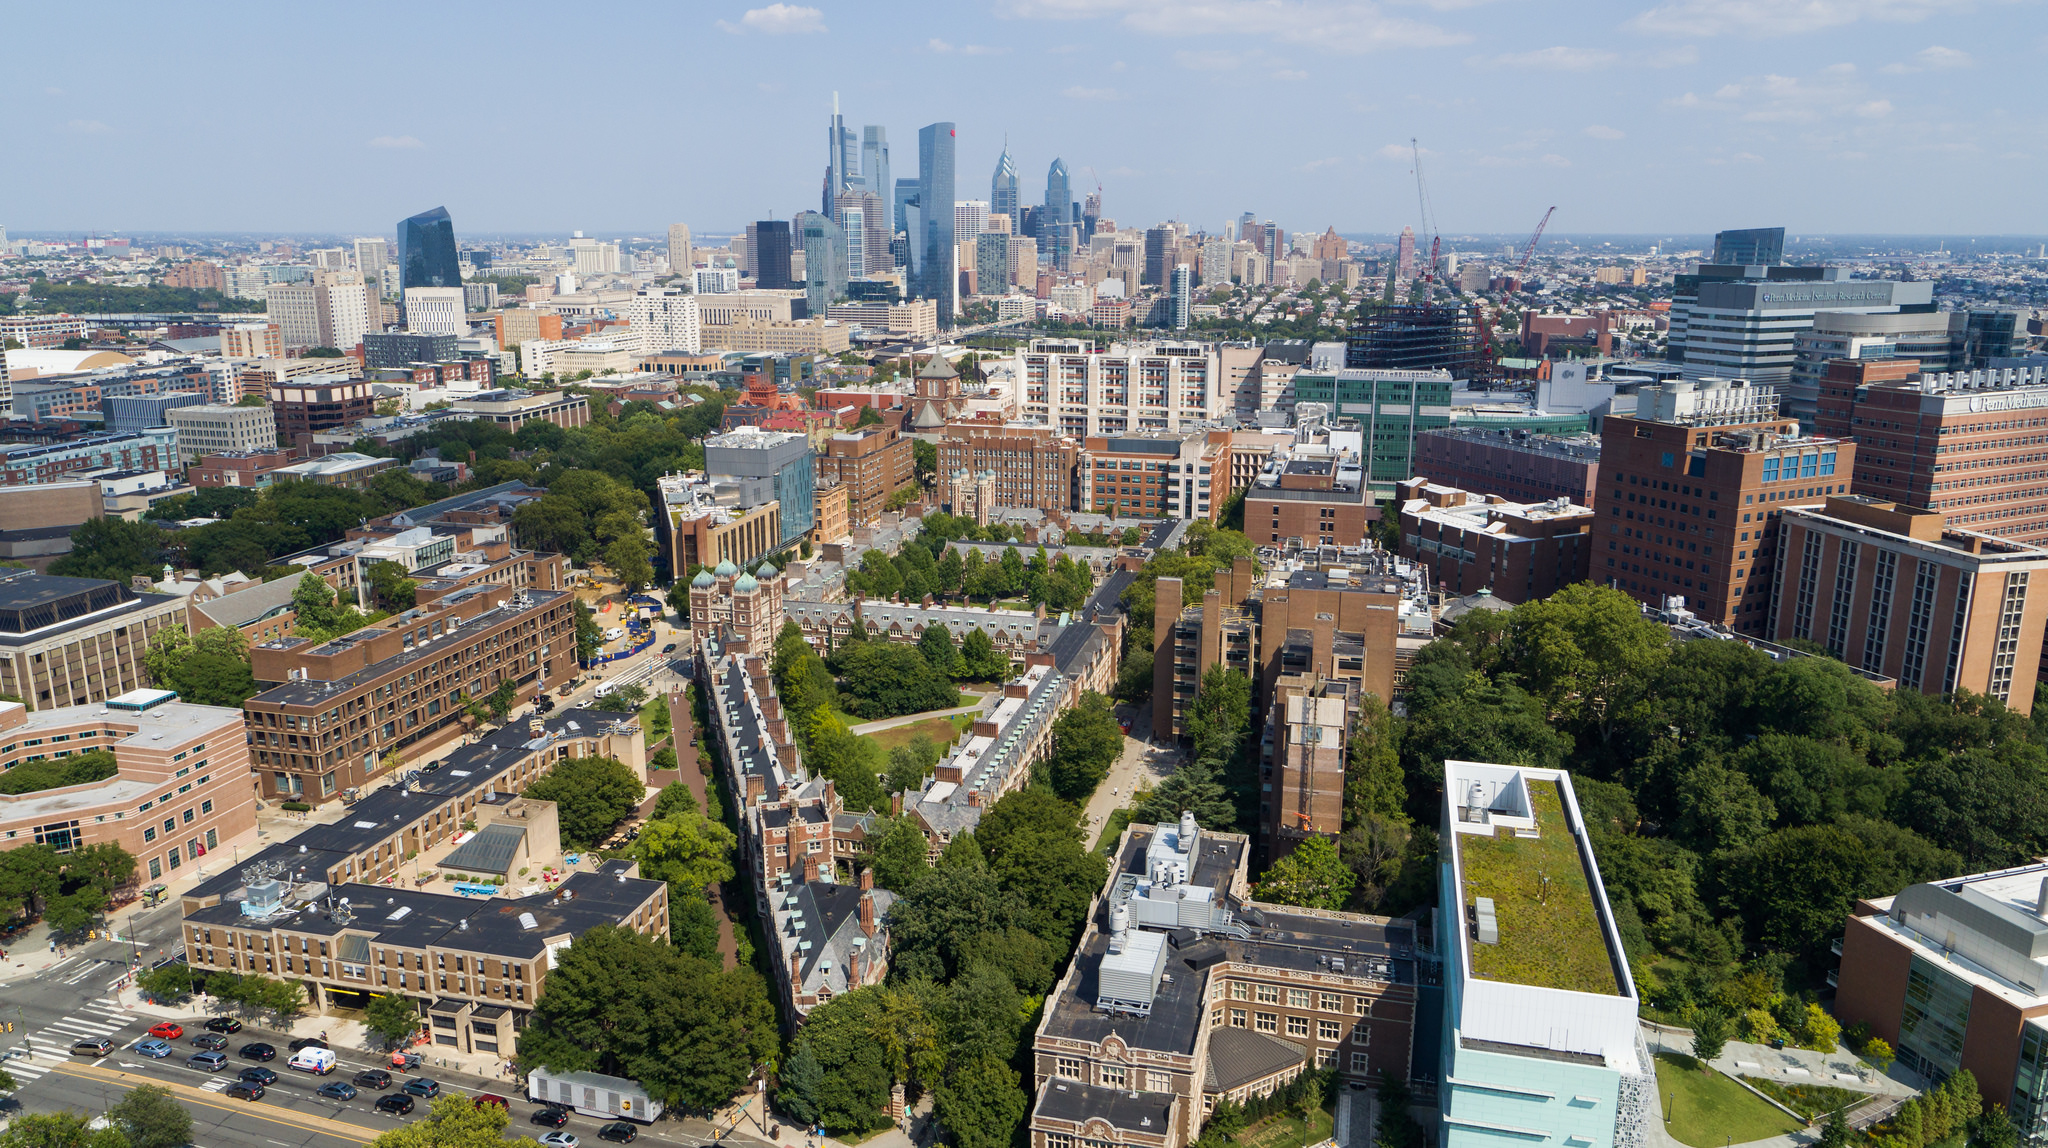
(1023, 604)
(1809, 1100)
(942, 730)
(1706, 1106)
(1288, 1131)
(647, 727)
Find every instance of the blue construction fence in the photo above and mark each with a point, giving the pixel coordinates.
(641, 632)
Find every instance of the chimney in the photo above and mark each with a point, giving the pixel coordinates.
(2041, 902)
(796, 972)
(771, 706)
(896, 805)
(867, 879)
(867, 912)
(974, 798)
(778, 732)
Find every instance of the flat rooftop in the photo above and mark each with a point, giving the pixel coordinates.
(1550, 933)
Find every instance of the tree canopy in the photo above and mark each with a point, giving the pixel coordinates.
(592, 795)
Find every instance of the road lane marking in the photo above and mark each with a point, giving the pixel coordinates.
(276, 1115)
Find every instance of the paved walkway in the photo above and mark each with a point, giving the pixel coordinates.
(908, 719)
(1141, 762)
(1838, 1069)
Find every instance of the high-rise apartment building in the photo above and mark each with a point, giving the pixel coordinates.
(1183, 296)
(1088, 388)
(824, 246)
(1895, 591)
(252, 341)
(681, 261)
(937, 281)
(992, 263)
(1155, 474)
(1691, 490)
(666, 319)
(1404, 254)
(1002, 187)
(1960, 442)
(970, 218)
(1056, 220)
(1750, 247)
(1158, 256)
(426, 251)
(392, 350)
(1030, 465)
(372, 256)
(768, 248)
(871, 464)
(864, 220)
(436, 311)
(326, 309)
(1215, 262)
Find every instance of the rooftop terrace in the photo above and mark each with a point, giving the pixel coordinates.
(1549, 932)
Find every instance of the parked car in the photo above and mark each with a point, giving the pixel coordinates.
(207, 1061)
(154, 1048)
(168, 1030)
(398, 1104)
(257, 1076)
(494, 1099)
(243, 1090)
(618, 1132)
(308, 1042)
(549, 1117)
(257, 1051)
(210, 1041)
(223, 1024)
(94, 1048)
(338, 1091)
(560, 1140)
(422, 1087)
(375, 1078)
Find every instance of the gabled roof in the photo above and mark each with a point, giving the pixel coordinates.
(250, 604)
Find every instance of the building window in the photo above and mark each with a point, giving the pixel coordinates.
(1268, 1022)
(1240, 991)
(1298, 998)
(1329, 1031)
(1360, 1062)
(1325, 1057)
(1237, 1018)
(1070, 1067)
(1112, 1075)
(1268, 994)
(1331, 1002)
(1297, 1026)
(156, 868)
(1362, 1006)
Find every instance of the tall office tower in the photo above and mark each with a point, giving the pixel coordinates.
(1988, 333)
(426, 251)
(851, 212)
(1158, 240)
(1091, 213)
(1002, 187)
(935, 196)
(772, 265)
(1183, 296)
(992, 263)
(835, 157)
(1404, 255)
(751, 258)
(1752, 247)
(875, 236)
(665, 319)
(1055, 223)
(1245, 223)
(874, 161)
(904, 195)
(680, 259)
(970, 218)
(1215, 262)
(371, 256)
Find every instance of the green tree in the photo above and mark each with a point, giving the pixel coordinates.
(1373, 782)
(114, 549)
(589, 635)
(1709, 1034)
(627, 558)
(168, 984)
(900, 855)
(1312, 876)
(456, 1121)
(687, 850)
(939, 650)
(980, 661)
(674, 798)
(394, 587)
(850, 761)
(392, 1017)
(981, 1102)
(313, 604)
(1086, 741)
(592, 796)
(59, 1130)
(883, 679)
(1191, 787)
(693, 925)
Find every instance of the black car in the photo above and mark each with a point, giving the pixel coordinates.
(375, 1078)
(243, 1090)
(210, 1041)
(549, 1117)
(619, 1132)
(223, 1024)
(308, 1042)
(257, 1076)
(668, 649)
(398, 1103)
(257, 1051)
(338, 1091)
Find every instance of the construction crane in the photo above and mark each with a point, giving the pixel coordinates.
(1523, 267)
(1422, 209)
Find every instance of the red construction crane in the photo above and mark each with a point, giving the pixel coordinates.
(1523, 267)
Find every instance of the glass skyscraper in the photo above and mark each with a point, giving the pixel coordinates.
(1752, 247)
(772, 266)
(426, 250)
(1055, 222)
(874, 160)
(1002, 191)
(935, 239)
(824, 261)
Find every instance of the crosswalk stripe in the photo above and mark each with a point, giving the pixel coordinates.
(69, 1025)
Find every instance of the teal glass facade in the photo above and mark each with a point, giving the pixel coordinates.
(426, 251)
(1931, 1028)
(1391, 412)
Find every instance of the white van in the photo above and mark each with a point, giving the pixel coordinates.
(614, 634)
(318, 1061)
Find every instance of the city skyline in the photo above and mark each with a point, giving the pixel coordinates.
(1632, 120)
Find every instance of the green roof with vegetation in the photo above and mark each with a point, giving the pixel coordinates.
(1550, 932)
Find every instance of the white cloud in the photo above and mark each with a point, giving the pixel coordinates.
(1554, 160)
(1673, 57)
(1603, 132)
(778, 20)
(1343, 26)
(88, 127)
(1218, 61)
(396, 142)
(1290, 74)
(1833, 94)
(1766, 18)
(943, 48)
(1558, 59)
(1077, 92)
(1933, 58)
(1316, 164)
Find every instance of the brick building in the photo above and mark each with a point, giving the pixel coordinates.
(1514, 464)
(1155, 474)
(1308, 730)
(1321, 501)
(333, 709)
(313, 404)
(1030, 464)
(1897, 592)
(1518, 550)
(75, 641)
(871, 464)
(1692, 487)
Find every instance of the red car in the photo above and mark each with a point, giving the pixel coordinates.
(167, 1031)
(493, 1099)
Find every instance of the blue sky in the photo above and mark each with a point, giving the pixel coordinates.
(1672, 116)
